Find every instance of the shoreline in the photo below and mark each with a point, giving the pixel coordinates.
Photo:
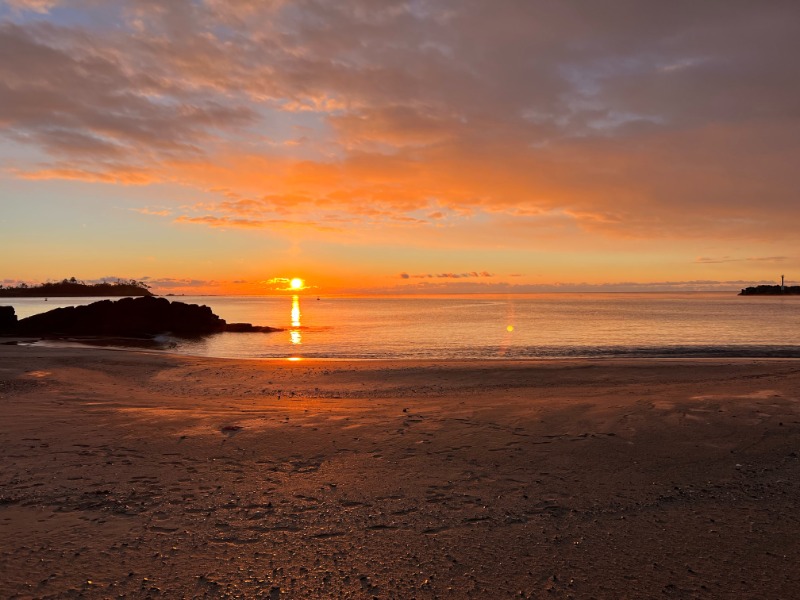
(136, 473)
(156, 347)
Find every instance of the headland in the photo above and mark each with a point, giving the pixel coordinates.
(771, 290)
(73, 288)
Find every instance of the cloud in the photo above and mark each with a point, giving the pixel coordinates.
(121, 175)
(627, 121)
(447, 275)
(438, 286)
(221, 222)
(158, 212)
(284, 284)
(77, 97)
(184, 285)
(239, 223)
(171, 283)
(729, 259)
(38, 6)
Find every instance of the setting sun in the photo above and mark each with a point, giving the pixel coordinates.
(297, 283)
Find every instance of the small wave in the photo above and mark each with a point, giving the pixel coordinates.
(709, 351)
(551, 352)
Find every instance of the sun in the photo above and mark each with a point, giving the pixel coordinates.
(297, 283)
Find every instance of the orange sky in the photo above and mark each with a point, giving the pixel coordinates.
(381, 146)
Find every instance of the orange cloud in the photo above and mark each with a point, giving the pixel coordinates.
(227, 222)
(153, 211)
(447, 275)
(121, 175)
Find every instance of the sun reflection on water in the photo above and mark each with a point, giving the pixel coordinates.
(295, 335)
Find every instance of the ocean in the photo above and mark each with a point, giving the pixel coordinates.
(591, 325)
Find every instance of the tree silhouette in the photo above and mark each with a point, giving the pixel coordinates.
(74, 287)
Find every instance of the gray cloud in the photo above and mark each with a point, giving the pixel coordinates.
(80, 99)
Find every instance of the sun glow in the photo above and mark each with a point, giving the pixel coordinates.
(297, 283)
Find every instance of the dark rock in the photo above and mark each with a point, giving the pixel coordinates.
(143, 316)
(771, 290)
(248, 328)
(8, 319)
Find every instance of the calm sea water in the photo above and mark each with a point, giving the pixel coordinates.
(508, 326)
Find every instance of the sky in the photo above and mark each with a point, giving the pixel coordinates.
(377, 146)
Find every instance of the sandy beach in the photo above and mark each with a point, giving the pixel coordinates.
(135, 474)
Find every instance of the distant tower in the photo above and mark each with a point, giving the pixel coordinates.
(783, 287)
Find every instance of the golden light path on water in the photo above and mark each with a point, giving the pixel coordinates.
(296, 336)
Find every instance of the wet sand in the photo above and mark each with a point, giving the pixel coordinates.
(134, 474)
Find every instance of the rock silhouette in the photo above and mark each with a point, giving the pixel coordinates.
(771, 290)
(248, 328)
(135, 317)
(8, 319)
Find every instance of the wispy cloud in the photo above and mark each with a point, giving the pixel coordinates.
(446, 275)
(240, 223)
(445, 286)
(730, 259)
(158, 212)
(120, 174)
(212, 221)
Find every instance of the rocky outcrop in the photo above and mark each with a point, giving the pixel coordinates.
(8, 319)
(134, 317)
(771, 290)
(248, 328)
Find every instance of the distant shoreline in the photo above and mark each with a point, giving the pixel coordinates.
(90, 295)
(72, 288)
